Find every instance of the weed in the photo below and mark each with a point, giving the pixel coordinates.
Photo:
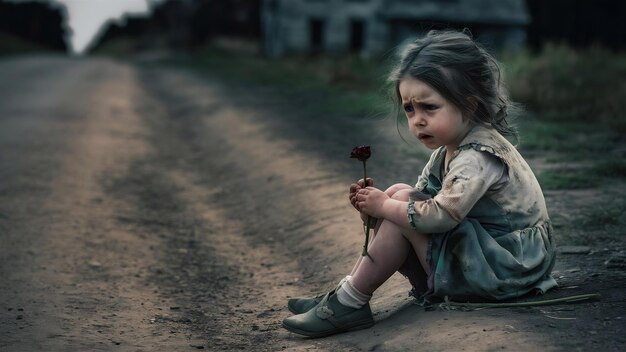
(567, 179)
(563, 84)
(10, 45)
(611, 168)
(567, 88)
(570, 140)
(583, 177)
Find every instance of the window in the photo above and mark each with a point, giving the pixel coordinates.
(357, 34)
(316, 34)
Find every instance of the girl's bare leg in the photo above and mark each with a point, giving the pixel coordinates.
(391, 191)
(390, 250)
(391, 246)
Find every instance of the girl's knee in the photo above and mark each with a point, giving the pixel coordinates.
(396, 188)
(402, 195)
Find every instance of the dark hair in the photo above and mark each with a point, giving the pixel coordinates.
(453, 64)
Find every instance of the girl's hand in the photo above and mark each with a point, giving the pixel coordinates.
(355, 187)
(370, 201)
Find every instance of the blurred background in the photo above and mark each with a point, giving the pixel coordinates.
(564, 60)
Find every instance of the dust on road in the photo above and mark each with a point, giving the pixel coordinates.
(147, 209)
(124, 218)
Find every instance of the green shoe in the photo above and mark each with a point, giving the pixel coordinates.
(303, 305)
(330, 317)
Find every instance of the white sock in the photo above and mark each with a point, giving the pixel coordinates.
(349, 296)
(348, 277)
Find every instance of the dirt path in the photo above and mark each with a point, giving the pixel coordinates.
(148, 209)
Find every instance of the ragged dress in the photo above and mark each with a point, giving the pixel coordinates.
(490, 236)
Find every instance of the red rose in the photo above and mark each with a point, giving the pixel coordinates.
(361, 152)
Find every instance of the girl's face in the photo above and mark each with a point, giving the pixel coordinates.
(433, 120)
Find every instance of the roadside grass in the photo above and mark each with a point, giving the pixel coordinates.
(348, 84)
(612, 168)
(11, 45)
(567, 139)
(594, 155)
(560, 87)
(567, 179)
(562, 84)
(118, 47)
(601, 171)
(581, 90)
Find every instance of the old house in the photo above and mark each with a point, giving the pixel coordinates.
(372, 26)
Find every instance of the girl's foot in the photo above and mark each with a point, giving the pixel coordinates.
(303, 305)
(330, 317)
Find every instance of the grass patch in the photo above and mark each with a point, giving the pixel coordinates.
(581, 178)
(11, 45)
(567, 88)
(567, 179)
(568, 140)
(118, 47)
(611, 168)
(563, 84)
(560, 130)
(346, 84)
(350, 73)
(576, 99)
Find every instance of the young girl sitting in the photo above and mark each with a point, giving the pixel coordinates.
(475, 226)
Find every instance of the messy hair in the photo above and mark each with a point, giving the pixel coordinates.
(464, 73)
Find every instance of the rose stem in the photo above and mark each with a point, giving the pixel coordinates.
(367, 223)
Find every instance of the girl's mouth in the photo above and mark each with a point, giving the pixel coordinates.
(423, 137)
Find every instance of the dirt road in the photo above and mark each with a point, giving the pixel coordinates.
(143, 208)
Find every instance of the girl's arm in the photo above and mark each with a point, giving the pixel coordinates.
(470, 176)
(378, 204)
(396, 211)
(434, 217)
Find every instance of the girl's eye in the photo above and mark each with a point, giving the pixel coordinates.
(429, 107)
(408, 108)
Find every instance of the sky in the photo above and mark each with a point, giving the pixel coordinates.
(87, 19)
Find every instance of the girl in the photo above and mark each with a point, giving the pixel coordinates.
(475, 226)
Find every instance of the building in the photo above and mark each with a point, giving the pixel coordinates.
(369, 27)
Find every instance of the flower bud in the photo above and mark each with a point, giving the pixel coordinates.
(362, 152)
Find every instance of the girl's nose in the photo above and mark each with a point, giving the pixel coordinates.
(420, 120)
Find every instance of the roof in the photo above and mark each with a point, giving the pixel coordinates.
(501, 12)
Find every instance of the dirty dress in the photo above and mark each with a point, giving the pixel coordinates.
(490, 237)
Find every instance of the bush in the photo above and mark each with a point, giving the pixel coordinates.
(563, 84)
(11, 45)
(559, 84)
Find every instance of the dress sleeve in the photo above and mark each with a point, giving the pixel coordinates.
(470, 176)
(422, 180)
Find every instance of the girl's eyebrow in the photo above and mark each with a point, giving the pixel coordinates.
(416, 100)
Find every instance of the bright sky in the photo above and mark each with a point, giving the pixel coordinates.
(87, 18)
